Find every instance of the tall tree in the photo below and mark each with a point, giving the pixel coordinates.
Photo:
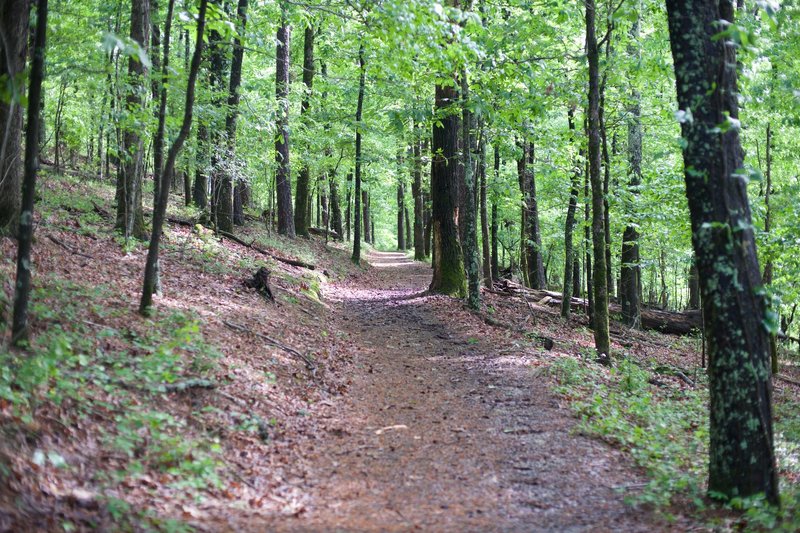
(630, 270)
(239, 188)
(22, 288)
(130, 216)
(531, 234)
(161, 92)
(362, 76)
(166, 173)
(602, 340)
(472, 263)
(283, 177)
(485, 248)
(401, 201)
(495, 217)
(14, 16)
(741, 455)
(570, 257)
(448, 262)
(302, 212)
(416, 190)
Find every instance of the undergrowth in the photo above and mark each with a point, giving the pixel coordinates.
(665, 431)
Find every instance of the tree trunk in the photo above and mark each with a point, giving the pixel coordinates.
(495, 220)
(773, 341)
(409, 237)
(362, 77)
(602, 339)
(336, 207)
(160, 93)
(448, 262)
(485, 246)
(741, 456)
(302, 213)
(130, 216)
(349, 210)
(469, 216)
(164, 178)
(231, 210)
(569, 225)
(630, 269)
(366, 218)
(419, 206)
(283, 175)
(428, 223)
(401, 223)
(200, 190)
(22, 287)
(14, 15)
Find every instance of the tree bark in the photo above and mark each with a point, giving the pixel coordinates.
(469, 216)
(366, 218)
(741, 456)
(448, 262)
(485, 246)
(302, 213)
(130, 216)
(231, 210)
(14, 15)
(200, 189)
(22, 287)
(401, 223)
(161, 94)
(283, 179)
(362, 77)
(569, 226)
(602, 338)
(495, 218)
(419, 206)
(630, 269)
(164, 178)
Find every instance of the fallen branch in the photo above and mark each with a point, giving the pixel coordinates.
(310, 366)
(67, 247)
(182, 386)
(788, 380)
(547, 342)
(251, 245)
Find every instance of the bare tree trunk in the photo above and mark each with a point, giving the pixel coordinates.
(283, 175)
(741, 455)
(14, 23)
(469, 216)
(130, 216)
(485, 246)
(302, 213)
(22, 287)
(362, 77)
(602, 338)
(161, 208)
(570, 257)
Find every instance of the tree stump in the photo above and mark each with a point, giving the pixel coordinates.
(260, 282)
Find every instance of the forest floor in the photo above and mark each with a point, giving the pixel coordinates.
(353, 402)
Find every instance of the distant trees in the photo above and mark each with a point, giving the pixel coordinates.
(741, 456)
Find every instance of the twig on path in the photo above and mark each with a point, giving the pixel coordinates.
(310, 366)
(67, 247)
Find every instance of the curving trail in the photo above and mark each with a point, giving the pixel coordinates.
(441, 431)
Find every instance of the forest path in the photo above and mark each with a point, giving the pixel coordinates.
(442, 431)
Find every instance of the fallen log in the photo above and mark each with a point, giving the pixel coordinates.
(670, 322)
(260, 282)
(321, 232)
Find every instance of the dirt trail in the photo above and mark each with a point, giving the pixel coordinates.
(444, 432)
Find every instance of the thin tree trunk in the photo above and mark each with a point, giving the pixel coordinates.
(200, 190)
(569, 225)
(283, 175)
(630, 270)
(362, 77)
(366, 218)
(22, 287)
(741, 455)
(602, 338)
(469, 217)
(228, 185)
(164, 178)
(495, 219)
(773, 338)
(485, 246)
(401, 200)
(416, 189)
